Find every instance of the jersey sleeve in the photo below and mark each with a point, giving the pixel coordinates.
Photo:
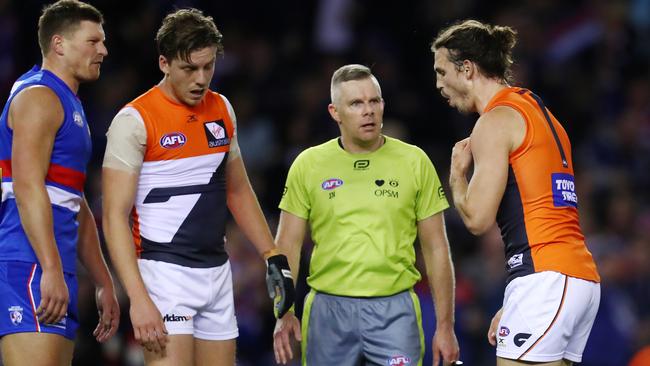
(295, 197)
(431, 198)
(126, 142)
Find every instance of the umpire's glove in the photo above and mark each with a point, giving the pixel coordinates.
(278, 276)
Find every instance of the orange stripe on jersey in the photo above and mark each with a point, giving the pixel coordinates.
(137, 239)
(177, 131)
(538, 214)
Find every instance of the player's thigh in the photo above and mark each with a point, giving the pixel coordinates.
(209, 352)
(508, 362)
(179, 351)
(36, 349)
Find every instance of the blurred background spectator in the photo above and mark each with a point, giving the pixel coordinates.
(589, 61)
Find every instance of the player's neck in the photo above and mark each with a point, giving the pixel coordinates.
(361, 147)
(486, 90)
(62, 73)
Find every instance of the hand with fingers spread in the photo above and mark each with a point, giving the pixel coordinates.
(54, 297)
(445, 347)
(284, 328)
(109, 313)
(148, 326)
(494, 324)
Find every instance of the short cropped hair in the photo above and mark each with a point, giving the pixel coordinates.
(348, 73)
(64, 16)
(185, 31)
(489, 46)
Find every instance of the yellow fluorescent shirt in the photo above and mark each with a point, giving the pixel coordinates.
(363, 211)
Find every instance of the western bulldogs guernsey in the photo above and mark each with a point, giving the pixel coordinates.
(64, 181)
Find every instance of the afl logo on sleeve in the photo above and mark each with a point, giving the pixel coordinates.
(564, 190)
(173, 140)
(216, 134)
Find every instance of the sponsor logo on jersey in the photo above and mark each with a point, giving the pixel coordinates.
(331, 183)
(176, 318)
(516, 260)
(192, 118)
(504, 331)
(215, 132)
(393, 183)
(520, 338)
(564, 190)
(441, 193)
(76, 117)
(400, 360)
(16, 314)
(361, 164)
(379, 182)
(173, 140)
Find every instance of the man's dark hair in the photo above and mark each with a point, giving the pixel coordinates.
(64, 16)
(489, 46)
(185, 31)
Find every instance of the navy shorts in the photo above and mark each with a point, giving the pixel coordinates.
(20, 295)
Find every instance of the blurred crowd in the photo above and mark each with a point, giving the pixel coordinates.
(588, 60)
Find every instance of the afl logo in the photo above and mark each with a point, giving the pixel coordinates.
(330, 184)
(76, 117)
(173, 140)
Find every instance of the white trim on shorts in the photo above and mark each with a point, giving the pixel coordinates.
(547, 316)
(196, 301)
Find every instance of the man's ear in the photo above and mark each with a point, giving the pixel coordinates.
(163, 64)
(334, 113)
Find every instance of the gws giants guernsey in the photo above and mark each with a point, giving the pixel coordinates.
(65, 176)
(538, 214)
(180, 207)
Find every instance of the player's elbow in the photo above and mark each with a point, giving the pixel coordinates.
(478, 226)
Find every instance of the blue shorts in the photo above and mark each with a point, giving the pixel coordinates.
(20, 295)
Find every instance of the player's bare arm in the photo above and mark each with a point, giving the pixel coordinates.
(91, 257)
(440, 273)
(34, 131)
(495, 135)
(119, 189)
(289, 239)
(245, 208)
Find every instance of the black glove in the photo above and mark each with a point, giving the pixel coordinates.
(278, 276)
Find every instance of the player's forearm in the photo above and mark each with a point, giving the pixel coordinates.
(122, 251)
(442, 284)
(293, 256)
(247, 213)
(461, 193)
(289, 239)
(459, 185)
(35, 212)
(88, 249)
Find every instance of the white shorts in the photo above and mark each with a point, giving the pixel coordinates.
(196, 301)
(547, 316)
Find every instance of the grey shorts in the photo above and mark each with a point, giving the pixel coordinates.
(351, 331)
